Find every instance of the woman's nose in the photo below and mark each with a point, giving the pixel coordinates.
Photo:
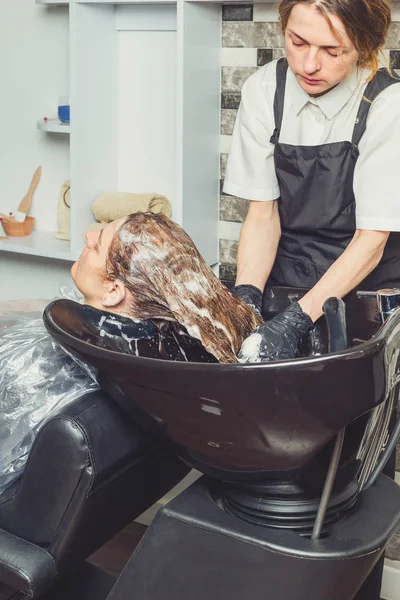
(311, 61)
(91, 238)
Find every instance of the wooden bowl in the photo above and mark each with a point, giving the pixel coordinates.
(15, 229)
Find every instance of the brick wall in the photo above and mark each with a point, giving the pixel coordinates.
(248, 42)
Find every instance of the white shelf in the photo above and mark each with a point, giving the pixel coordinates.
(39, 243)
(53, 2)
(126, 2)
(53, 126)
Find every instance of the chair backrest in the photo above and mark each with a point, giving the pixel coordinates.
(246, 421)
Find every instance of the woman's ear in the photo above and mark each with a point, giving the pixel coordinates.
(114, 295)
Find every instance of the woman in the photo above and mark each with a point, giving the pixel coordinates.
(147, 291)
(314, 149)
(146, 267)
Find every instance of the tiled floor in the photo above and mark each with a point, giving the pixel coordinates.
(113, 556)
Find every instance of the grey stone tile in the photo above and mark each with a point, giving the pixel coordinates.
(237, 13)
(222, 165)
(395, 59)
(233, 78)
(230, 100)
(393, 548)
(233, 209)
(228, 118)
(227, 272)
(253, 35)
(278, 53)
(228, 252)
(393, 39)
(264, 56)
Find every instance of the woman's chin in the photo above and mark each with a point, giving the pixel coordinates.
(74, 276)
(73, 270)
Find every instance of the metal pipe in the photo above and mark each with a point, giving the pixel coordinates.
(329, 481)
(335, 314)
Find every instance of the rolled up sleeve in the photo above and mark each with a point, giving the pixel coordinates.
(250, 171)
(376, 176)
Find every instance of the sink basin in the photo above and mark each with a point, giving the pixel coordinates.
(243, 422)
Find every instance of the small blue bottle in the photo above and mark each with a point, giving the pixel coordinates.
(63, 109)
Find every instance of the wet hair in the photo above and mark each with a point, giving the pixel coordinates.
(367, 24)
(168, 279)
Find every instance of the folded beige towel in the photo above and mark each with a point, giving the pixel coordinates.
(113, 205)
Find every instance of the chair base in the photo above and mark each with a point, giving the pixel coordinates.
(282, 505)
(196, 550)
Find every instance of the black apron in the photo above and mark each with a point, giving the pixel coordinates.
(317, 204)
(317, 213)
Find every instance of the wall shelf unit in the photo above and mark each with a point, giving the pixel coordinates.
(143, 78)
(37, 44)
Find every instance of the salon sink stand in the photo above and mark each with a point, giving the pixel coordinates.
(283, 532)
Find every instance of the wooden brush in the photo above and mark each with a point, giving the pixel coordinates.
(3, 235)
(26, 202)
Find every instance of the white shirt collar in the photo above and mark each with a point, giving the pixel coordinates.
(330, 103)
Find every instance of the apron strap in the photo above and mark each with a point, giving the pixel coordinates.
(380, 82)
(279, 99)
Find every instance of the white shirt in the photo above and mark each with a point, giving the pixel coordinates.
(311, 121)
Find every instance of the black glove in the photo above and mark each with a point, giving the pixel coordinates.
(277, 339)
(251, 295)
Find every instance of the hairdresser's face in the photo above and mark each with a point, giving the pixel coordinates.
(89, 270)
(318, 60)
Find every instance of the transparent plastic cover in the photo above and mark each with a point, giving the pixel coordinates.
(37, 379)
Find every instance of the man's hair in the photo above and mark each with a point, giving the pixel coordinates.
(367, 24)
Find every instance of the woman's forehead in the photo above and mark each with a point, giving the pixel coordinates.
(119, 222)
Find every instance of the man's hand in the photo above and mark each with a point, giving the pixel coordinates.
(251, 295)
(277, 339)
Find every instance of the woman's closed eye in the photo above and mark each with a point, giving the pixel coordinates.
(98, 242)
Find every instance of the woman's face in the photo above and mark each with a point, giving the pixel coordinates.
(89, 271)
(317, 59)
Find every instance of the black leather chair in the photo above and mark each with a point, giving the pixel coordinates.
(279, 444)
(90, 472)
